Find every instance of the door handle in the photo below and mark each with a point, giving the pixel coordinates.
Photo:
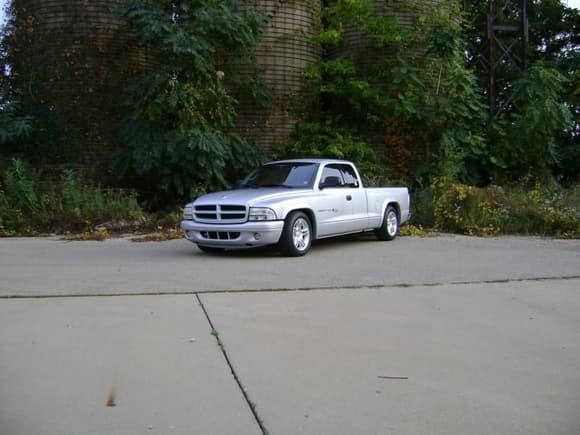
(348, 197)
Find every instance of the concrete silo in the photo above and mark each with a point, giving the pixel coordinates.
(359, 47)
(283, 51)
(73, 59)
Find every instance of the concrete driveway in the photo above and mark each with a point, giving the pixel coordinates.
(441, 335)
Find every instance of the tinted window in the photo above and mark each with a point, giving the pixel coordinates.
(299, 175)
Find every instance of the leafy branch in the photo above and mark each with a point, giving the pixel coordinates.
(176, 128)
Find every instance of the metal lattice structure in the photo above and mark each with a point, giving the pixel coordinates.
(500, 46)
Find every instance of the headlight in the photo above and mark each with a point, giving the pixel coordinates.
(188, 212)
(261, 214)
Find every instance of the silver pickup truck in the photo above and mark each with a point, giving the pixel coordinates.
(291, 203)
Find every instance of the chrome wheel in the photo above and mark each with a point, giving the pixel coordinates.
(390, 226)
(297, 235)
(392, 223)
(301, 234)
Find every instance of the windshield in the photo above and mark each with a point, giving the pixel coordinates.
(290, 175)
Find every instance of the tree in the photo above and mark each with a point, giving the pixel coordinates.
(14, 124)
(540, 100)
(415, 96)
(525, 141)
(179, 113)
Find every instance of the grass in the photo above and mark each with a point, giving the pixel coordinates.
(32, 205)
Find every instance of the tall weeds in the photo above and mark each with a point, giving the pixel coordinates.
(30, 206)
(517, 209)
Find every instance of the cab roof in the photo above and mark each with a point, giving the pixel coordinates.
(319, 161)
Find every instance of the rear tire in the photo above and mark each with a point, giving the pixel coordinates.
(296, 236)
(390, 226)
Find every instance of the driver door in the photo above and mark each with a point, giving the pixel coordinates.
(332, 206)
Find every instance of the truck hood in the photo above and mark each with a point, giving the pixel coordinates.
(250, 196)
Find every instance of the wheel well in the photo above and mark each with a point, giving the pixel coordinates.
(310, 215)
(397, 208)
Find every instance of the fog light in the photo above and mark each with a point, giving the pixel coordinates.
(257, 236)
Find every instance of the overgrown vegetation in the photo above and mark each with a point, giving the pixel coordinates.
(66, 81)
(534, 107)
(416, 79)
(422, 110)
(325, 140)
(406, 104)
(176, 129)
(493, 210)
(29, 205)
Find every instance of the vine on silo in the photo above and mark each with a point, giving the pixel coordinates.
(413, 95)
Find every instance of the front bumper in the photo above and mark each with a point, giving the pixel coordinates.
(246, 235)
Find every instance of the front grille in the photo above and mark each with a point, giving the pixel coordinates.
(216, 213)
(220, 235)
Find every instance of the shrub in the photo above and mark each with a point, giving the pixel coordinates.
(177, 128)
(541, 210)
(29, 206)
(525, 141)
(519, 209)
(468, 210)
(324, 140)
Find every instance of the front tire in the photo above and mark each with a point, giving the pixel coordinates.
(296, 236)
(390, 226)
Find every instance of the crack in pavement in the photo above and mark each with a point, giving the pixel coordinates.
(215, 333)
(230, 360)
(285, 290)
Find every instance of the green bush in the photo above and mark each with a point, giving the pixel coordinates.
(30, 206)
(468, 210)
(542, 210)
(324, 140)
(177, 131)
(526, 142)
(518, 209)
(13, 125)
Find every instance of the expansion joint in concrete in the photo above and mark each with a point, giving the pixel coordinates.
(215, 333)
(54, 295)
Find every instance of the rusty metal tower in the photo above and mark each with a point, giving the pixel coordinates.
(500, 46)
